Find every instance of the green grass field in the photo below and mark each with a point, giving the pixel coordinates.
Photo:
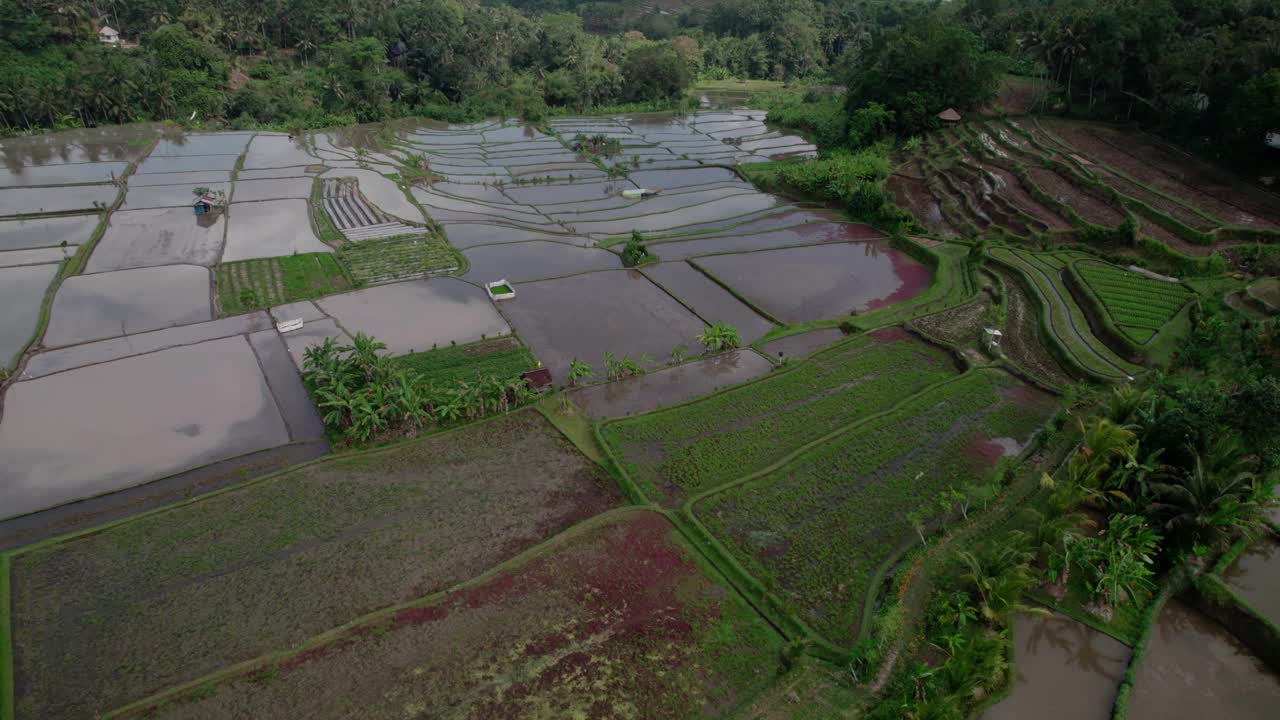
(818, 527)
(675, 453)
(253, 284)
(503, 358)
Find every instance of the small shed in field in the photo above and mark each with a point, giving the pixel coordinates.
(108, 35)
(537, 380)
(949, 116)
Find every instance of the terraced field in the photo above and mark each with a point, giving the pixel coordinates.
(1073, 176)
(487, 571)
(1062, 317)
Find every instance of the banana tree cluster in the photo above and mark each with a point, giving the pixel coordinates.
(363, 393)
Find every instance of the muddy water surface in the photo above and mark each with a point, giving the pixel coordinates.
(822, 281)
(272, 228)
(1065, 671)
(670, 386)
(708, 300)
(22, 291)
(144, 238)
(104, 305)
(535, 259)
(800, 344)
(1255, 577)
(71, 198)
(46, 232)
(413, 316)
(150, 416)
(1195, 669)
(585, 316)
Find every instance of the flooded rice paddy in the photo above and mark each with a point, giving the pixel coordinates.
(46, 232)
(1194, 668)
(708, 300)
(1064, 671)
(272, 228)
(418, 315)
(821, 281)
(106, 427)
(670, 386)
(103, 305)
(22, 289)
(515, 200)
(585, 316)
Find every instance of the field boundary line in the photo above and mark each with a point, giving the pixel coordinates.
(174, 692)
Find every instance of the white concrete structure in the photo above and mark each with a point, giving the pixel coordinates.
(109, 36)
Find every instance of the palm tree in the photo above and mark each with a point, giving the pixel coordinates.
(999, 574)
(1215, 500)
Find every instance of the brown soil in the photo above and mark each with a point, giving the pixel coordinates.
(1021, 341)
(914, 196)
(960, 326)
(1172, 172)
(616, 621)
(1013, 190)
(1092, 208)
(176, 595)
(1017, 96)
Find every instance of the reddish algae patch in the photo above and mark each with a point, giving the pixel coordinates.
(612, 621)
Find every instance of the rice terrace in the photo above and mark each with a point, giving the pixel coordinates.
(763, 361)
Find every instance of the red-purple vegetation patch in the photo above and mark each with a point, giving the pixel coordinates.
(893, 333)
(618, 621)
(914, 278)
(987, 451)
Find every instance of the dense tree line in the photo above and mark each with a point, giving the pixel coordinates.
(1190, 68)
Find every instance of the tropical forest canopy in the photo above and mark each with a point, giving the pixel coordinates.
(1190, 68)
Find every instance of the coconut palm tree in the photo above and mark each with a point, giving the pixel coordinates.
(999, 574)
(1217, 499)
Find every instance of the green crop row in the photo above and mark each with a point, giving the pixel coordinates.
(818, 528)
(690, 448)
(1139, 306)
(398, 258)
(1064, 320)
(502, 358)
(251, 284)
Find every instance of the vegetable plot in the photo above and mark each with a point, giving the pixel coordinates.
(1138, 305)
